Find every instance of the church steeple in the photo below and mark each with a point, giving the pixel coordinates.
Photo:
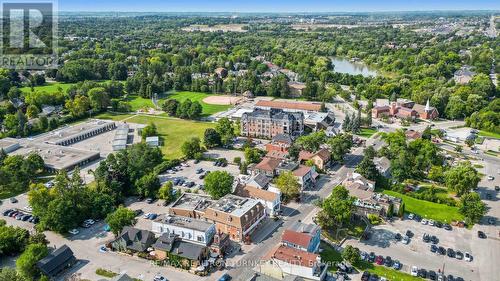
(427, 106)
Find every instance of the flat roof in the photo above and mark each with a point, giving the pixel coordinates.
(308, 106)
(56, 156)
(234, 205)
(192, 202)
(154, 138)
(71, 131)
(184, 222)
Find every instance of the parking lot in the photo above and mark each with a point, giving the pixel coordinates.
(190, 174)
(417, 252)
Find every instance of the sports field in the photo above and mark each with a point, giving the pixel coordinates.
(208, 109)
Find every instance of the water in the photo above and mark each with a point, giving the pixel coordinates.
(343, 65)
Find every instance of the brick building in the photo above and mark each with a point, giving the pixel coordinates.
(263, 123)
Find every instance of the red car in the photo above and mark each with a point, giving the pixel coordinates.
(379, 260)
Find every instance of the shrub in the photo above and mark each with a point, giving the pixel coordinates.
(105, 273)
(374, 219)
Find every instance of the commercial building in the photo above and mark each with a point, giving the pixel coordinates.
(404, 109)
(73, 134)
(121, 137)
(191, 205)
(282, 261)
(263, 123)
(189, 229)
(9, 145)
(290, 106)
(236, 216)
(187, 254)
(269, 197)
(134, 239)
(301, 236)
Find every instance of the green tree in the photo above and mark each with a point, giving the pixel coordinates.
(211, 138)
(367, 167)
(436, 174)
(119, 219)
(191, 148)
(351, 254)
(78, 106)
(338, 207)
(313, 141)
(32, 111)
(166, 192)
(148, 185)
(462, 178)
(26, 263)
(99, 98)
(472, 208)
(289, 186)
(149, 131)
(170, 107)
(340, 145)
(253, 155)
(226, 130)
(218, 184)
(10, 274)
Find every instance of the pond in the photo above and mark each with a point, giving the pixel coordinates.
(344, 65)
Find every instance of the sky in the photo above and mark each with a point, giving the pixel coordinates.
(274, 5)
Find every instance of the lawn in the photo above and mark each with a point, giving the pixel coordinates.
(366, 132)
(489, 134)
(50, 87)
(428, 210)
(174, 131)
(208, 109)
(112, 116)
(389, 273)
(329, 256)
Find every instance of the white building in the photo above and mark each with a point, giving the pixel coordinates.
(189, 229)
(153, 141)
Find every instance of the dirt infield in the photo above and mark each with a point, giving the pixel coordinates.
(221, 100)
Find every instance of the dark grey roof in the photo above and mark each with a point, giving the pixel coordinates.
(51, 262)
(137, 239)
(274, 114)
(285, 138)
(187, 250)
(122, 277)
(164, 242)
(262, 180)
(304, 228)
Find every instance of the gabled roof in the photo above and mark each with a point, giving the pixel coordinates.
(282, 138)
(305, 155)
(268, 164)
(323, 153)
(301, 171)
(137, 239)
(294, 256)
(187, 250)
(260, 180)
(300, 234)
(55, 259)
(256, 193)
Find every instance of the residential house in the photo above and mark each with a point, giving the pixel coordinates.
(306, 176)
(57, 261)
(188, 229)
(137, 240)
(321, 158)
(262, 123)
(383, 166)
(191, 205)
(280, 142)
(355, 181)
(260, 181)
(296, 89)
(301, 236)
(267, 166)
(283, 261)
(181, 253)
(270, 198)
(412, 134)
(221, 72)
(464, 75)
(377, 203)
(236, 216)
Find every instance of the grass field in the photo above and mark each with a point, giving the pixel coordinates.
(112, 116)
(49, 87)
(489, 134)
(329, 255)
(388, 273)
(428, 210)
(137, 102)
(208, 109)
(366, 132)
(173, 131)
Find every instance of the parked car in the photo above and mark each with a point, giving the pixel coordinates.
(447, 226)
(379, 260)
(422, 273)
(406, 240)
(398, 237)
(497, 188)
(388, 261)
(418, 218)
(434, 248)
(372, 257)
(397, 265)
(439, 224)
(414, 271)
(459, 255)
(450, 253)
(450, 278)
(365, 276)
(431, 222)
(74, 231)
(426, 238)
(467, 256)
(411, 216)
(424, 221)
(441, 251)
(225, 277)
(432, 275)
(196, 161)
(190, 184)
(149, 200)
(490, 178)
(481, 234)
(13, 200)
(103, 249)
(202, 176)
(199, 170)
(492, 221)
(434, 239)
(409, 233)
(6, 212)
(158, 277)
